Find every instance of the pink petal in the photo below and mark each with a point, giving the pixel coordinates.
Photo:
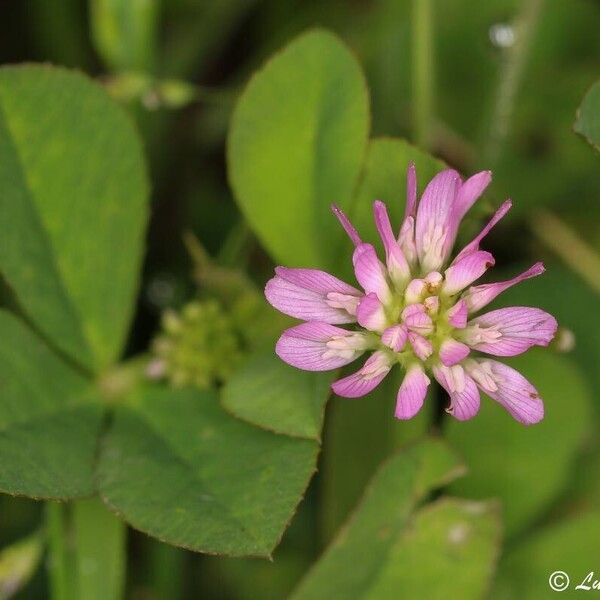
(345, 222)
(473, 246)
(317, 346)
(464, 397)
(406, 239)
(466, 270)
(414, 291)
(412, 392)
(470, 191)
(511, 331)
(415, 317)
(508, 387)
(481, 295)
(367, 378)
(312, 295)
(432, 305)
(452, 352)
(395, 337)
(421, 346)
(371, 313)
(434, 224)
(370, 272)
(411, 191)
(396, 263)
(457, 315)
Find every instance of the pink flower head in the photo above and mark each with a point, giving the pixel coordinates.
(417, 310)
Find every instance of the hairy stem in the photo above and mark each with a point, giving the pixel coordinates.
(58, 562)
(511, 76)
(422, 71)
(569, 246)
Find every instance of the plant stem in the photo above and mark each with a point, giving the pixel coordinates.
(569, 246)
(422, 71)
(58, 567)
(511, 75)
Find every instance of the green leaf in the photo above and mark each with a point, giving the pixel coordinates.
(588, 116)
(18, 563)
(572, 546)
(347, 465)
(124, 32)
(384, 179)
(49, 423)
(99, 551)
(73, 208)
(296, 145)
(268, 393)
(526, 467)
(449, 550)
(353, 562)
(178, 467)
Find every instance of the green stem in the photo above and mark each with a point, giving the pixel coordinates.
(569, 246)
(422, 71)
(58, 563)
(511, 76)
(167, 567)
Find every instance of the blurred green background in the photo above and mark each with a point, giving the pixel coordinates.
(508, 77)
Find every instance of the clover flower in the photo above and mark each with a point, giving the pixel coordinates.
(416, 311)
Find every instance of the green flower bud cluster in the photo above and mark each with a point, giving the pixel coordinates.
(198, 346)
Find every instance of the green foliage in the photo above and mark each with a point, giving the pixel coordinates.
(74, 193)
(296, 143)
(570, 545)
(527, 468)
(588, 116)
(448, 551)
(353, 563)
(49, 421)
(360, 434)
(226, 487)
(124, 32)
(268, 393)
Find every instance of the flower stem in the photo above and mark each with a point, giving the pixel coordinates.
(569, 246)
(422, 71)
(511, 76)
(58, 568)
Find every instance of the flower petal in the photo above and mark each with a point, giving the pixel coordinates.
(457, 315)
(370, 272)
(469, 192)
(371, 313)
(345, 222)
(396, 263)
(406, 239)
(434, 223)
(317, 346)
(466, 270)
(412, 392)
(395, 337)
(510, 331)
(453, 351)
(473, 246)
(481, 295)
(508, 387)
(367, 378)
(421, 346)
(464, 396)
(415, 317)
(411, 191)
(312, 295)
